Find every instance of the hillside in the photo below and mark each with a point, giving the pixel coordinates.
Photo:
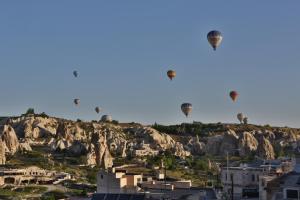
(98, 143)
(54, 143)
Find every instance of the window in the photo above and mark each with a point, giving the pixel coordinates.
(292, 194)
(250, 193)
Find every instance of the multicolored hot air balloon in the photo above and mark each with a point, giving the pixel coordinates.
(171, 74)
(75, 73)
(97, 109)
(240, 117)
(76, 102)
(214, 38)
(233, 95)
(186, 108)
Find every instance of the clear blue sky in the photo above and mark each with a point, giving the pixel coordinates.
(122, 50)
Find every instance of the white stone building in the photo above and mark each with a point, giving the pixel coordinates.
(283, 187)
(145, 150)
(244, 181)
(117, 181)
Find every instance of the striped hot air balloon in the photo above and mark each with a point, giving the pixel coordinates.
(214, 38)
(186, 108)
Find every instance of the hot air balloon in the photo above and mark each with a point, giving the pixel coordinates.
(186, 108)
(106, 118)
(97, 109)
(75, 73)
(214, 38)
(76, 101)
(245, 120)
(171, 74)
(234, 95)
(240, 117)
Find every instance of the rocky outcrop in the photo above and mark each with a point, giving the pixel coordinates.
(229, 143)
(10, 139)
(34, 127)
(101, 142)
(102, 154)
(247, 144)
(30, 131)
(213, 144)
(64, 131)
(222, 144)
(269, 135)
(124, 149)
(2, 153)
(161, 141)
(78, 148)
(196, 147)
(265, 149)
(242, 144)
(91, 156)
(25, 147)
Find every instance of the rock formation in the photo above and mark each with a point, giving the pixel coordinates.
(101, 142)
(229, 143)
(265, 149)
(24, 147)
(2, 153)
(10, 139)
(196, 147)
(247, 144)
(102, 154)
(161, 141)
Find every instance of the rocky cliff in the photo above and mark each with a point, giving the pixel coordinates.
(99, 143)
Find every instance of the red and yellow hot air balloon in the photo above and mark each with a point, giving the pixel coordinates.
(234, 95)
(171, 74)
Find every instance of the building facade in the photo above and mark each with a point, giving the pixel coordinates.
(246, 180)
(117, 181)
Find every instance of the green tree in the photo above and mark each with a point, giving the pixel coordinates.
(30, 111)
(84, 193)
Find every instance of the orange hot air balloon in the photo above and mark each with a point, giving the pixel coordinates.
(171, 74)
(233, 95)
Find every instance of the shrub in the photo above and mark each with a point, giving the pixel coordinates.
(52, 195)
(30, 111)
